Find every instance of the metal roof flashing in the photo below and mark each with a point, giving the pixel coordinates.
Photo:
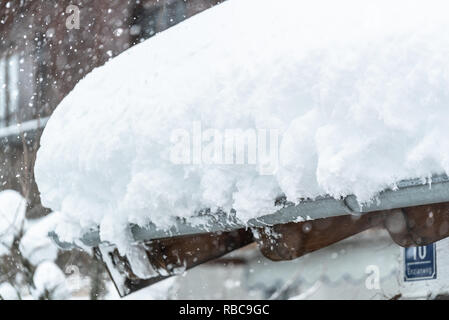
(408, 193)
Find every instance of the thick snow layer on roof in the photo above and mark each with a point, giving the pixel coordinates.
(12, 218)
(354, 93)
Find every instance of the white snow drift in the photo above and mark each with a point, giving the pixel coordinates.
(36, 245)
(357, 90)
(12, 218)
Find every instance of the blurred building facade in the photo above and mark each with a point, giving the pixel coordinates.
(43, 56)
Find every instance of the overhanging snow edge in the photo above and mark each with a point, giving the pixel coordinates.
(409, 193)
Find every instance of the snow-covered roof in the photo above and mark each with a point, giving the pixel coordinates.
(340, 102)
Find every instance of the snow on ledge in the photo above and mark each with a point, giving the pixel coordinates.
(331, 98)
(19, 128)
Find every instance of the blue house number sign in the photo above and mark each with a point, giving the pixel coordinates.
(420, 263)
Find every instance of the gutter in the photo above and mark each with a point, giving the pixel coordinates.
(409, 193)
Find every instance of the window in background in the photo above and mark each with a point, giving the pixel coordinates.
(3, 93)
(150, 18)
(175, 12)
(9, 89)
(13, 88)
